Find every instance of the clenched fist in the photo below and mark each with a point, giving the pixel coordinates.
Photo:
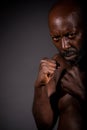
(46, 73)
(49, 73)
(73, 82)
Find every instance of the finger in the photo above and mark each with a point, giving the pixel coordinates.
(44, 65)
(48, 65)
(49, 62)
(71, 73)
(46, 70)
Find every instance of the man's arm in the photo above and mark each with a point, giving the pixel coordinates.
(42, 110)
(45, 110)
(74, 84)
(44, 87)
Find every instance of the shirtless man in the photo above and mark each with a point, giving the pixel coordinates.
(60, 87)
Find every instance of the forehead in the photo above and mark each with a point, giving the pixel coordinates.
(65, 22)
(65, 16)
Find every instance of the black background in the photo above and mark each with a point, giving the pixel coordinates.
(24, 40)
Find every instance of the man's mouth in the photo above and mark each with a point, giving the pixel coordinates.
(70, 54)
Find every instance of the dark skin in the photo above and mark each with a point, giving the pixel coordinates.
(61, 79)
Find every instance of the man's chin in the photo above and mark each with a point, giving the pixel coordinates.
(72, 60)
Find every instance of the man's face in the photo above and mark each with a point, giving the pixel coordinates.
(67, 35)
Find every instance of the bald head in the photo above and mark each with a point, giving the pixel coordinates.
(65, 8)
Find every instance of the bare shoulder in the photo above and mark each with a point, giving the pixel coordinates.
(60, 60)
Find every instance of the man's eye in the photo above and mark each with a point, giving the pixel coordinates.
(72, 35)
(56, 39)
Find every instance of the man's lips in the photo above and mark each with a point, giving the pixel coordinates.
(70, 54)
(69, 57)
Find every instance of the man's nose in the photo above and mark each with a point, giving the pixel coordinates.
(65, 43)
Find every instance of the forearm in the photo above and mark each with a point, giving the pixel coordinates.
(42, 110)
